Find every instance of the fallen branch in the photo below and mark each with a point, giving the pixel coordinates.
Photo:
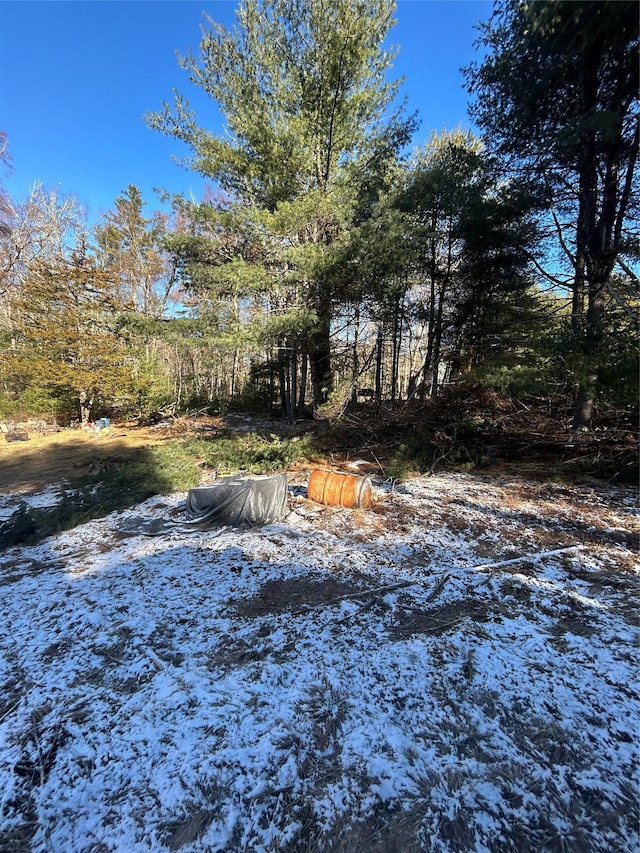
(365, 593)
(441, 583)
(437, 588)
(536, 556)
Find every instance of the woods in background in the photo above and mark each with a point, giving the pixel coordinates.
(326, 263)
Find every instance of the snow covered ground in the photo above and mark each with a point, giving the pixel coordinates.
(344, 680)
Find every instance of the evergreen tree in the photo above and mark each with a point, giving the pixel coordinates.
(470, 237)
(66, 337)
(309, 117)
(38, 233)
(558, 96)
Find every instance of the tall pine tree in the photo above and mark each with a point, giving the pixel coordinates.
(309, 115)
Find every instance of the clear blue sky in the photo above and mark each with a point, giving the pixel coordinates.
(76, 79)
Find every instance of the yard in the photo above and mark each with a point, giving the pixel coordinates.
(454, 669)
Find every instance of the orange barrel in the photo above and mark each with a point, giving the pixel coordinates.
(330, 487)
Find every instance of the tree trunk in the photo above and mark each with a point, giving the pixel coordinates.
(303, 382)
(85, 407)
(583, 411)
(395, 350)
(355, 359)
(320, 358)
(233, 374)
(272, 382)
(282, 381)
(293, 389)
(430, 332)
(592, 345)
(435, 380)
(584, 261)
(379, 356)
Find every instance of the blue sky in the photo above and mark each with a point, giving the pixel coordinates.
(76, 79)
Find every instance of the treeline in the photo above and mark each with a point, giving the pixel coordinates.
(324, 265)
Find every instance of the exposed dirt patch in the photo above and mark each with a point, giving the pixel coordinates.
(237, 652)
(276, 596)
(574, 623)
(445, 618)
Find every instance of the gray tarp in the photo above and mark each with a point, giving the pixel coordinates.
(238, 500)
(229, 502)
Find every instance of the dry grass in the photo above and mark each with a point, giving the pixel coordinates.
(185, 830)
(47, 459)
(17, 838)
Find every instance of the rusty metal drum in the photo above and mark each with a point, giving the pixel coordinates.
(336, 489)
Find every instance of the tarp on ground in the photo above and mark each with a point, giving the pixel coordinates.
(238, 501)
(226, 502)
